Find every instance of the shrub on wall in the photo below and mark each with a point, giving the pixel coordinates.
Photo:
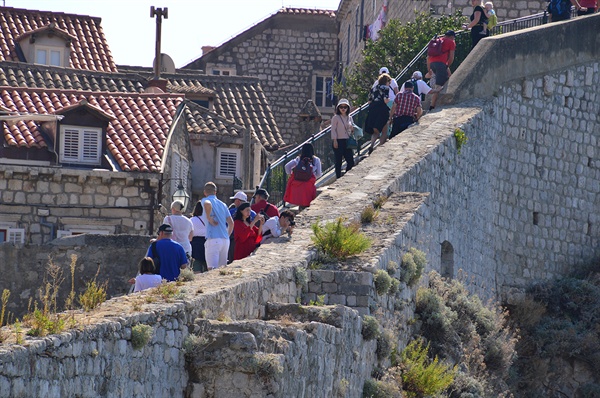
(140, 336)
(338, 240)
(383, 281)
(370, 327)
(413, 264)
(421, 376)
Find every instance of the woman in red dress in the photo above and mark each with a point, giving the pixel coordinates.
(246, 234)
(298, 192)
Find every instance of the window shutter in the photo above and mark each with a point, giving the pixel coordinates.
(16, 235)
(228, 163)
(91, 146)
(71, 145)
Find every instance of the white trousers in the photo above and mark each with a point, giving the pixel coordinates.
(216, 252)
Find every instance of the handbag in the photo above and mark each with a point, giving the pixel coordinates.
(351, 143)
(358, 132)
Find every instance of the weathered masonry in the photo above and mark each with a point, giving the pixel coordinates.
(518, 203)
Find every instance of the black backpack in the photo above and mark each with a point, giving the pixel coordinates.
(415, 86)
(303, 170)
(560, 9)
(155, 258)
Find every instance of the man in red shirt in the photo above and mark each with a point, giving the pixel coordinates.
(439, 65)
(406, 109)
(585, 7)
(260, 204)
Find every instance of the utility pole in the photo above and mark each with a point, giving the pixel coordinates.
(159, 13)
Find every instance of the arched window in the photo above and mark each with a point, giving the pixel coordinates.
(447, 260)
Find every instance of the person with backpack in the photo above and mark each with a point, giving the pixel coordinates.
(261, 204)
(420, 88)
(378, 113)
(342, 128)
(559, 10)
(440, 55)
(406, 109)
(168, 255)
(478, 19)
(303, 171)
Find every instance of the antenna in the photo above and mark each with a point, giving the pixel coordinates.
(159, 13)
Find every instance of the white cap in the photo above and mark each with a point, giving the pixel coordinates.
(240, 195)
(384, 70)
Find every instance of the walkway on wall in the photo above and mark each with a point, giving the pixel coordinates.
(275, 179)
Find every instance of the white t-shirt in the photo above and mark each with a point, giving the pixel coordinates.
(146, 281)
(272, 224)
(421, 85)
(199, 223)
(182, 226)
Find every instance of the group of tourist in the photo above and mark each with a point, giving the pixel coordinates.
(202, 241)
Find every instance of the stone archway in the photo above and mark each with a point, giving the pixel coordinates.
(447, 269)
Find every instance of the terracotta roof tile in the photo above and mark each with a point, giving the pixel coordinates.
(306, 11)
(134, 147)
(89, 48)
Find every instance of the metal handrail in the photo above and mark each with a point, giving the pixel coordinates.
(275, 178)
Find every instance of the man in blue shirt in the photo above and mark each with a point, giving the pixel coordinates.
(171, 255)
(218, 229)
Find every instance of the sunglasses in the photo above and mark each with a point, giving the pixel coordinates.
(343, 107)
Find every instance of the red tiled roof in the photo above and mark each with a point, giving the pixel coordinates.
(89, 51)
(201, 121)
(135, 136)
(306, 11)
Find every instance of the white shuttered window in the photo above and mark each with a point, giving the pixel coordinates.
(228, 162)
(80, 145)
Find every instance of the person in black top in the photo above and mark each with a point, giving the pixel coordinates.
(478, 18)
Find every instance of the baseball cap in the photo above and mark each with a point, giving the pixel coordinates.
(240, 195)
(165, 228)
(384, 70)
(450, 33)
(409, 84)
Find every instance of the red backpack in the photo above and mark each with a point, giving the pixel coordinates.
(434, 48)
(303, 170)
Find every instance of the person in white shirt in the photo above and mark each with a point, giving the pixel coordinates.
(276, 226)
(183, 229)
(393, 86)
(147, 278)
(421, 88)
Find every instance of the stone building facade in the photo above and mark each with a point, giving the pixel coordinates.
(293, 53)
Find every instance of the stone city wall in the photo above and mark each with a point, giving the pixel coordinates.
(44, 200)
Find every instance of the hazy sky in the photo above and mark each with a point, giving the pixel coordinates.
(131, 31)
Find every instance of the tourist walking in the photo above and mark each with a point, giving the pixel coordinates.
(406, 109)
(439, 65)
(168, 254)
(303, 172)
(377, 117)
(342, 128)
(199, 239)
(183, 229)
(478, 19)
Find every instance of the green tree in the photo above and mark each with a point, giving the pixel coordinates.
(397, 45)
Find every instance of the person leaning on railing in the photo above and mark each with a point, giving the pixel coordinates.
(586, 7)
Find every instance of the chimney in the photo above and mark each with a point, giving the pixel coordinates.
(207, 49)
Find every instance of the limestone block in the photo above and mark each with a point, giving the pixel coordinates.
(527, 89)
(589, 76)
(330, 287)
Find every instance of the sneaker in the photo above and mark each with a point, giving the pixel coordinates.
(370, 150)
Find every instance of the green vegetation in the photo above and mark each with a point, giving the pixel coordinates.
(319, 302)
(193, 345)
(186, 275)
(392, 268)
(558, 322)
(166, 290)
(385, 344)
(421, 376)
(380, 389)
(396, 47)
(368, 214)
(370, 327)
(93, 296)
(413, 264)
(394, 287)
(339, 241)
(140, 336)
(461, 139)
(301, 277)
(383, 281)
(461, 330)
(266, 365)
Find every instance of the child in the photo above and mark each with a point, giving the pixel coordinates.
(146, 279)
(491, 18)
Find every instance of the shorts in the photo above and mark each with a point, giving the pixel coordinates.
(441, 72)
